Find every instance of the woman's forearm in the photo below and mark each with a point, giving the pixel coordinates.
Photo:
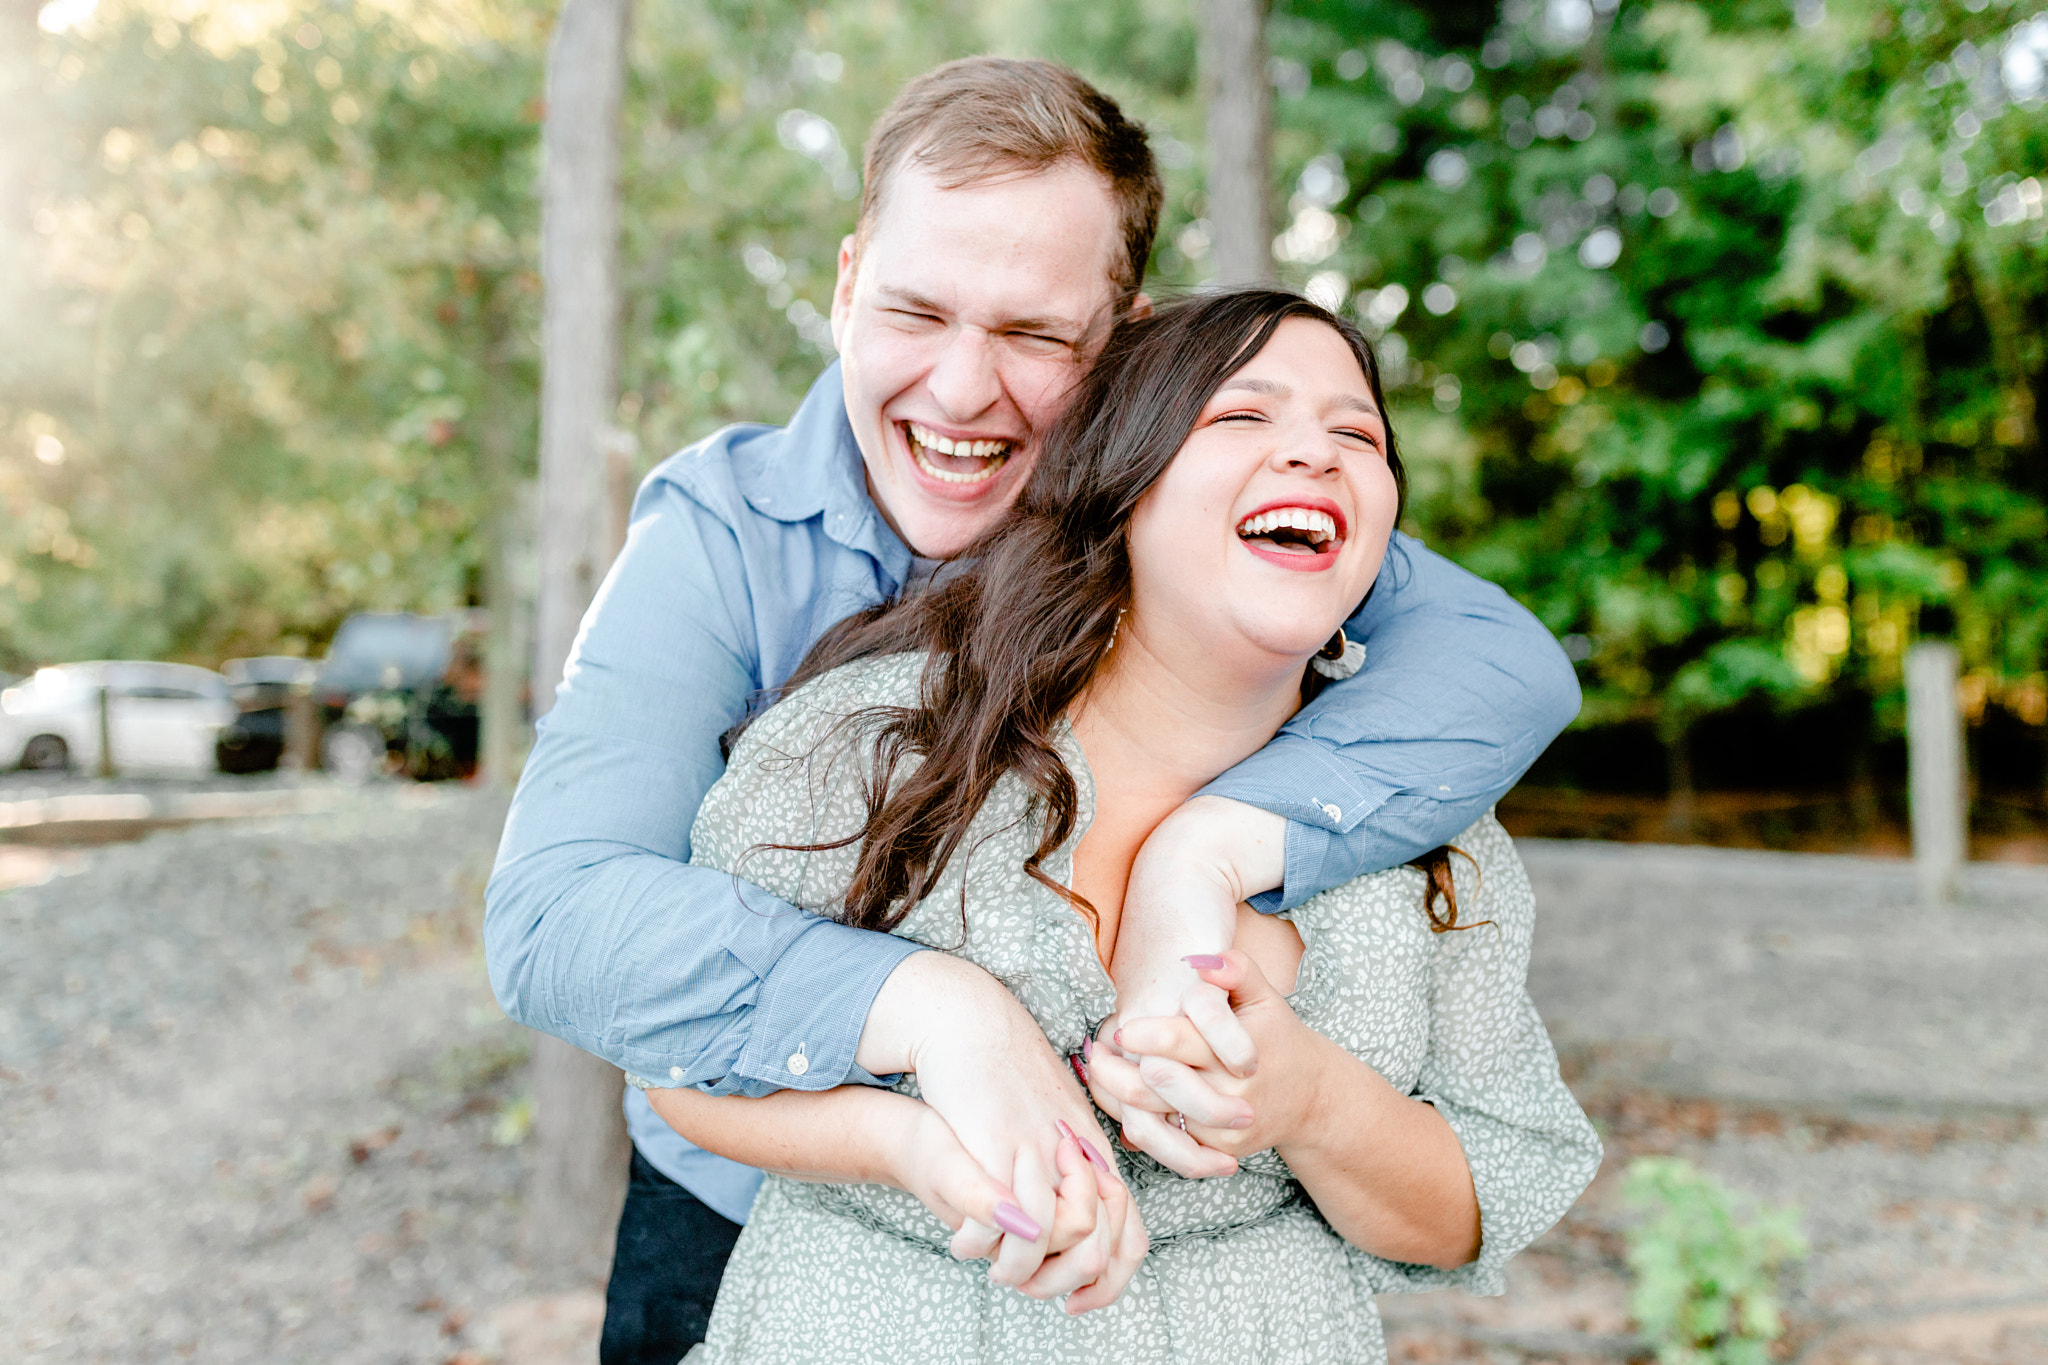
(852, 1135)
(1386, 1170)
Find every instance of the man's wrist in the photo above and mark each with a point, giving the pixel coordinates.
(1244, 846)
(930, 995)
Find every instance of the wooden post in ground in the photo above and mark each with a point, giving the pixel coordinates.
(105, 767)
(578, 1178)
(502, 736)
(1934, 748)
(1240, 131)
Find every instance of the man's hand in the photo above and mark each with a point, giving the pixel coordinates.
(1182, 900)
(985, 1067)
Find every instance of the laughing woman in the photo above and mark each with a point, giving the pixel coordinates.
(976, 768)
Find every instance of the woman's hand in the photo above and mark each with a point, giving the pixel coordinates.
(855, 1134)
(1384, 1169)
(985, 1067)
(1146, 1070)
(1094, 1244)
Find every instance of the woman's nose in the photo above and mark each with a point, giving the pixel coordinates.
(1307, 449)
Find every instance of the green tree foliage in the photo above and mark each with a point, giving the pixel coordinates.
(267, 350)
(270, 311)
(1706, 1290)
(1718, 325)
(1716, 328)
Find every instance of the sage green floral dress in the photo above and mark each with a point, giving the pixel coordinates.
(1241, 1269)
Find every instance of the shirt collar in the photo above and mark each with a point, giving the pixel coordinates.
(815, 469)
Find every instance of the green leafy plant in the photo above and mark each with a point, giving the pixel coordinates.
(1707, 1279)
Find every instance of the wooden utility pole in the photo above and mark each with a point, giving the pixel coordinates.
(579, 1139)
(502, 732)
(1240, 100)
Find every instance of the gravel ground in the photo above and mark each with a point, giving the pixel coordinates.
(250, 1082)
(253, 1090)
(1799, 1027)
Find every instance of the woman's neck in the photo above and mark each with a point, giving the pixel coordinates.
(1157, 727)
(1172, 720)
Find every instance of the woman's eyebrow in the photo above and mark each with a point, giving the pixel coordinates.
(1273, 388)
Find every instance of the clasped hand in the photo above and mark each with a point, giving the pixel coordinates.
(1006, 1149)
(1225, 1077)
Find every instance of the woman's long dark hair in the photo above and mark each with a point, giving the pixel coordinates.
(1019, 630)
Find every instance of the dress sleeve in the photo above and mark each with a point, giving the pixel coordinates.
(1492, 1073)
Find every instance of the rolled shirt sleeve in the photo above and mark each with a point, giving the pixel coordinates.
(1461, 690)
(596, 930)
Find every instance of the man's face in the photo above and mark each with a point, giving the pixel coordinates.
(962, 329)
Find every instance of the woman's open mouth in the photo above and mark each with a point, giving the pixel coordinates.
(1293, 536)
(955, 462)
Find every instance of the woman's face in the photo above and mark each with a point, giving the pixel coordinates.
(1270, 525)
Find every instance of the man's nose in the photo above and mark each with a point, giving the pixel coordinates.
(965, 382)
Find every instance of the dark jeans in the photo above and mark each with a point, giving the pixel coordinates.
(671, 1254)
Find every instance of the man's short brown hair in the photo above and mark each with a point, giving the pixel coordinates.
(981, 117)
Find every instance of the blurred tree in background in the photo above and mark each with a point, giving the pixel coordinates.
(269, 326)
(1721, 325)
(1718, 327)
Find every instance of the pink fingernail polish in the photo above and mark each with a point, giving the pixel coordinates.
(1117, 1038)
(1088, 1048)
(1017, 1223)
(1204, 962)
(1080, 1071)
(1088, 1148)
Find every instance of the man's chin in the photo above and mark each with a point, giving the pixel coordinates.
(947, 537)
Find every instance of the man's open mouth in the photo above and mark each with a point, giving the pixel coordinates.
(1302, 531)
(951, 461)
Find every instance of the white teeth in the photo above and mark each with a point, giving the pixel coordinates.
(995, 452)
(1320, 526)
(946, 445)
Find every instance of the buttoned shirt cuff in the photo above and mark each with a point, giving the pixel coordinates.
(1324, 800)
(813, 1005)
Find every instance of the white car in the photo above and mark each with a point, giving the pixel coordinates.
(159, 717)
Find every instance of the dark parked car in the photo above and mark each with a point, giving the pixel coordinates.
(399, 694)
(262, 690)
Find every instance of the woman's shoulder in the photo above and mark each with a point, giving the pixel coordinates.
(889, 681)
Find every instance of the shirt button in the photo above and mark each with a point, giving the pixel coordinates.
(798, 1063)
(1333, 812)
(675, 1073)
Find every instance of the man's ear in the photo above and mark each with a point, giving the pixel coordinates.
(842, 292)
(1141, 306)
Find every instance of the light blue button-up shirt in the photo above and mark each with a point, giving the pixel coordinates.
(743, 549)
